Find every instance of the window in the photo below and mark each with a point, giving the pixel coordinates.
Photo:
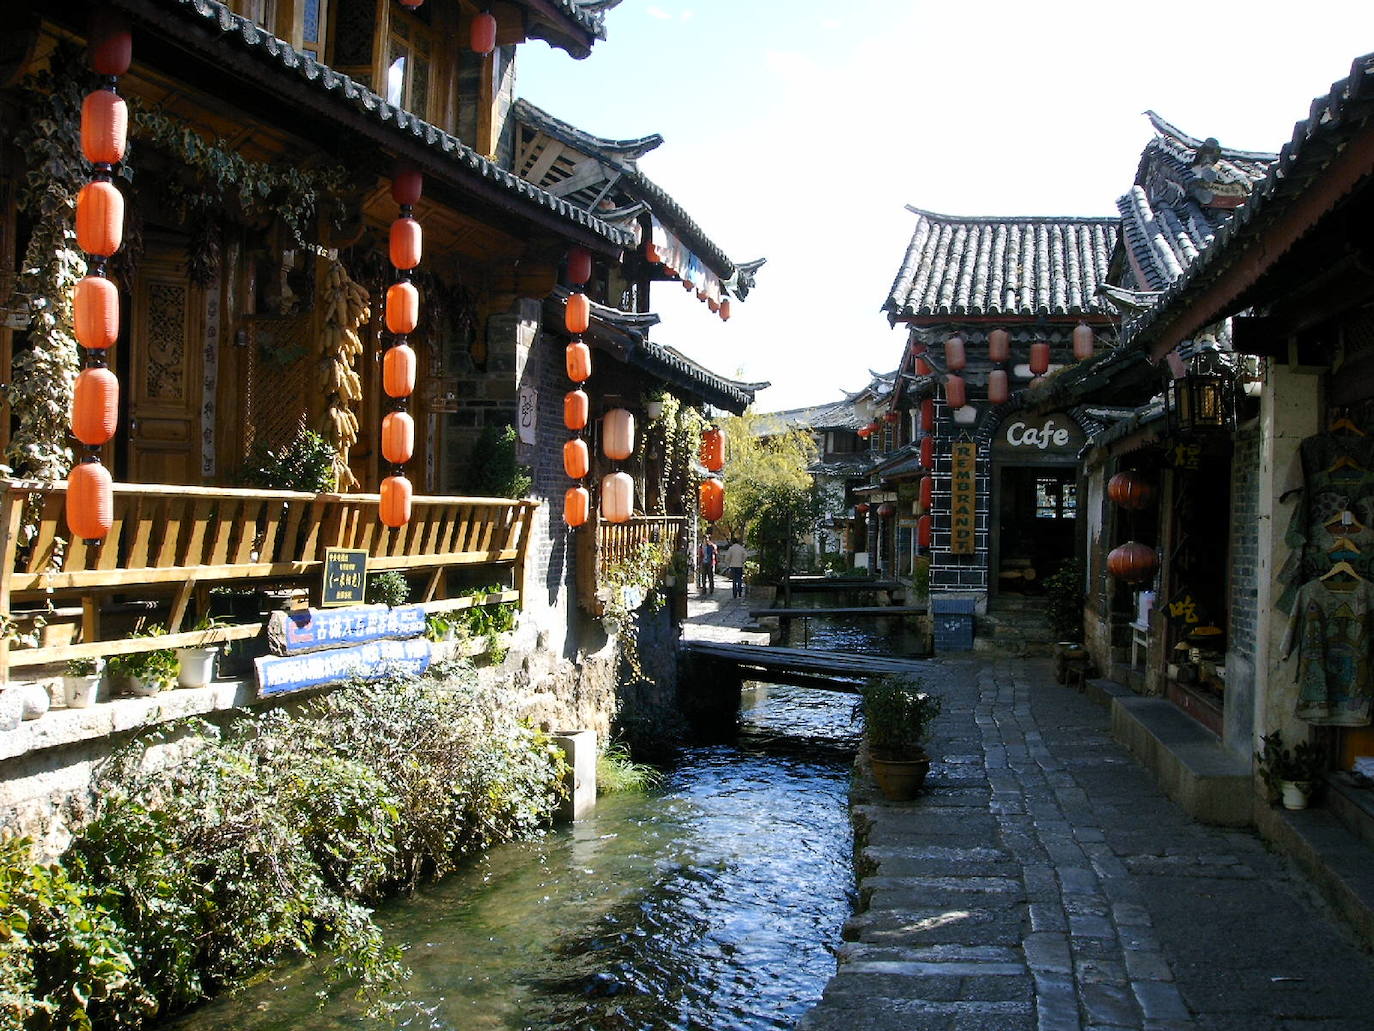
(1055, 498)
(313, 15)
(408, 66)
(262, 13)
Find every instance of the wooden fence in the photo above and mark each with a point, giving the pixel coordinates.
(602, 544)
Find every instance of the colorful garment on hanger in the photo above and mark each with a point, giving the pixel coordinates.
(1332, 628)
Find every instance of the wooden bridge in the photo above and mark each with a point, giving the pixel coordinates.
(817, 582)
(836, 671)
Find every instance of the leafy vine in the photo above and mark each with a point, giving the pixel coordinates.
(680, 427)
(626, 584)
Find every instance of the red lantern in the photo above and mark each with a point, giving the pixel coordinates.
(398, 371)
(398, 437)
(864, 432)
(711, 495)
(1129, 491)
(576, 409)
(95, 406)
(576, 460)
(927, 415)
(406, 243)
(617, 498)
(394, 506)
(955, 359)
(927, 492)
(402, 307)
(713, 305)
(104, 127)
(618, 434)
(90, 501)
(927, 453)
(998, 388)
(861, 508)
(651, 254)
(892, 418)
(407, 184)
(578, 314)
(483, 35)
(111, 48)
(579, 265)
(999, 345)
(712, 451)
(577, 505)
(95, 312)
(1040, 358)
(99, 218)
(686, 284)
(956, 394)
(925, 531)
(579, 362)
(923, 367)
(885, 510)
(1083, 341)
(1132, 562)
(725, 310)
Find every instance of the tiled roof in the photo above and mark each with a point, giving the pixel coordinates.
(1020, 266)
(620, 153)
(838, 415)
(282, 60)
(1333, 121)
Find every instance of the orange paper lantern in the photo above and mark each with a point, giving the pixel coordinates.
(104, 127)
(999, 345)
(1040, 358)
(579, 265)
(725, 310)
(956, 393)
(711, 494)
(927, 492)
(406, 243)
(925, 531)
(394, 508)
(618, 434)
(95, 312)
(402, 307)
(111, 48)
(576, 409)
(998, 388)
(617, 498)
(927, 415)
(579, 361)
(95, 406)
(90, 501)
(955, 357)
(99, 218)
(923, 367)
(713, 449)
(398, 371)
(927, 454)
(1132, 562)
(1130, 491)
(576, 459)
(578, 314)
(407, 184)
(483, 34)
(577, 506)
(1084, 342)
(398, 437)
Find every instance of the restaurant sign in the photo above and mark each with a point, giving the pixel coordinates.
(963, 505)
(1030, 438)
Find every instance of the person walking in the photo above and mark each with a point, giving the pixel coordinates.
(708, 566)
(734, 564)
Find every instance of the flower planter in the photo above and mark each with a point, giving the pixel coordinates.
(138, 687)
(1294, 793)
(900, 780)
(35, 699)
(80, 692)
(196, 666)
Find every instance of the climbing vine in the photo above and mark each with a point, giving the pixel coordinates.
(626, 584)
(679, 428)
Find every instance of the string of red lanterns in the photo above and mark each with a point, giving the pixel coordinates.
(95, 301)
(405, 247)
(711, 493)
(577, 500)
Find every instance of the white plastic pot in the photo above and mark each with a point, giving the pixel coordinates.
(196, 666)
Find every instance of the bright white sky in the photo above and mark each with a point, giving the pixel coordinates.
(797, 130)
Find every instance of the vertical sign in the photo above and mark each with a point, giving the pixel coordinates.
(529, 414)
(963, 503)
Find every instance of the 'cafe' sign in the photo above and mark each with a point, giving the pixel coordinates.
(1039, 437)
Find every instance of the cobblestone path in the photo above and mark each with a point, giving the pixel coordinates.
(1046, 883)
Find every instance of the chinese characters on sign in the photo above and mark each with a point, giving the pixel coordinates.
(963, 505)
(529, 414)
(291, 632)
(345, 577)
(280, 674)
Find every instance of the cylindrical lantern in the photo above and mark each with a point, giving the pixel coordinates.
(95, 312)
(579, 265)
(923, 367)
(483, 35)
(90, 501)
(1083, 341)
(111, 48)
(955, 358)
(999, 345)
(394, 507)
(104, 127)
(578, 314)
(618, 434)
(861, 508)
(925, 531)
(398, 371)
(927, 459)
(927, 492)
(1132, 562)
(576, 409)
(1040, 358)
(406, 243)
(927, 415)
(99, 218)
(617, 497)
(402, 307)
(576, 459)
(998, 388)
(579, 361)
(95, 406)
(725, 310)
(712, 451)
(1130, 491)
(577, 505)
(407, 184)
(711, 494)
(398, 437)
(956, 394)
(864, 432)
(886, 510)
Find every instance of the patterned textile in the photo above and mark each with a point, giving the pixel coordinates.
(1332, 627)
(1338, 476)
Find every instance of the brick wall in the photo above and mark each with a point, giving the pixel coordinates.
(1245, 469)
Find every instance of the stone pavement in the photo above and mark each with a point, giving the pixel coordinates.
(1044, 882)
(715, 616)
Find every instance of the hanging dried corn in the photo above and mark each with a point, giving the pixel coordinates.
(346, 316)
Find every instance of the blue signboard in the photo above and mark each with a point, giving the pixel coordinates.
(313, 629)
(280, 674)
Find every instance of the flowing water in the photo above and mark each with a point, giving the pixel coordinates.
(714, 903)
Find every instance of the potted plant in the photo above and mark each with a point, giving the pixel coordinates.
(897, 717)
(1289, 773)
(145, 673)
(196, 663)
(81, 682)
(653, 404)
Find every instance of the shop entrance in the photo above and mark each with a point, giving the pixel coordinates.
(1036, 519)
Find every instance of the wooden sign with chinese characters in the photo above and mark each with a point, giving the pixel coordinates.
(345, 577)
(963, 502)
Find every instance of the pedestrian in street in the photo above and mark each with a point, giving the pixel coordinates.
(734, 564)
(708, 566)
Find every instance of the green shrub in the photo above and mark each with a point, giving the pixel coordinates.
(897, 715)
(305, 463)
(389, 588)
(1064, 593)
(493, 471)
(616, 771)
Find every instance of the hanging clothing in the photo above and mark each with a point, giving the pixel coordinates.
(1332, 628)
(1337, 476)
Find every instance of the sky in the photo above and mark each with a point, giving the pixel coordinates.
(799, 130)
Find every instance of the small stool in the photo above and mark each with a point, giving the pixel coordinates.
(1075, 667)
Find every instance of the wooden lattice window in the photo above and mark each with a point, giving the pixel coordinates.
(409, 65)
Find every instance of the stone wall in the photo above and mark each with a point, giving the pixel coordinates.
(1242, 634)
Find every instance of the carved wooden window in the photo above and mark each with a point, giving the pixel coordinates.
(314, 16)
(259, 12)
(409, 65)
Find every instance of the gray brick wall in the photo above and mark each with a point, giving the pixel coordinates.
(1245, 471)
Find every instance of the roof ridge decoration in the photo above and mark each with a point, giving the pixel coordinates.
(622, 153)
(1166, 128)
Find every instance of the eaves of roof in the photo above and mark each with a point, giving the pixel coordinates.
(675, 217)
(620, 153)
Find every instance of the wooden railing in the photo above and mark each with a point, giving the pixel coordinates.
(183, 540)
(602, 544)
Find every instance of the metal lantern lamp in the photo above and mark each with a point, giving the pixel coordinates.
(1202, 400)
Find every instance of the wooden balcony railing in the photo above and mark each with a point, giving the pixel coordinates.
(182, 540)
(602, 544)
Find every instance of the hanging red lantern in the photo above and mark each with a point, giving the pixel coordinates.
(725, 310)
(95, 312)
(576, 459)
(927, 455)
(712, 451)
(956, 393)
(398, 371)
(885, 510)
(104, 127)
(617, 498)
(687, 284)
(576, 409)
(579, 265)
(90, 501)
(923, 367)
(111, 47)
(651, 253)
(394, 504)
(1130, 491)
(711, 495)
(861, 508)
(925, 531)
(407, 185)
(864, 432)
(927, 492)
(892, 418)
(99, 218)
(95, 406)
(406, 242)
(999, 345)
(998, 388)
(927, 416)
(398, 437)
(1132, 562)
(578, 314)
(579, 361)
(402, 307)
(577, 506)
(618, 434)
(713, 305)
(1040, 357)
(483, 34)
(412, 4)
(955, 358)
(1084, 342)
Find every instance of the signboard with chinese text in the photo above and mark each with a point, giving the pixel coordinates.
(281, 674)
(345, 577)
(963, 501)
(528, 414)
(312, 629)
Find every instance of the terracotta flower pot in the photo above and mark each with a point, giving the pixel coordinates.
(900, 780)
